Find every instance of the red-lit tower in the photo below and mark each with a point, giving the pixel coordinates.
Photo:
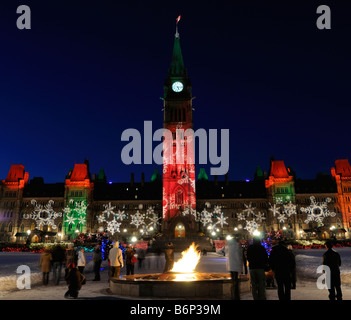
(179, 201)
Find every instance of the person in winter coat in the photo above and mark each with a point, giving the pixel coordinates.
(257, 258)
(130, 260)
(45, 265)
(293, 271)
(115, 258)
(141, 258)
(234, 264)
(71, 257)
(97, 259)
(282, 263)
(169, 256)
(81, 260)
(332, 259)
(58, 257)
(74, 281)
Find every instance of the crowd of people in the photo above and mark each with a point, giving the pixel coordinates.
(276, 269)
(73, 261)
(278, 266)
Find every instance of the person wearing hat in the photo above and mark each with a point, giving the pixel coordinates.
(115, 258)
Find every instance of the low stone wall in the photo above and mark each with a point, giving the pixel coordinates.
(215, 289)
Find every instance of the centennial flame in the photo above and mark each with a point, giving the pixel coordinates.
(189, 260)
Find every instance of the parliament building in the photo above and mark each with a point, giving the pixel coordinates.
(176, 203)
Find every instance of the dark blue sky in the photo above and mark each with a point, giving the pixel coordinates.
(87, 70)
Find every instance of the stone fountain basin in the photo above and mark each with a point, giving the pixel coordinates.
(166, 285)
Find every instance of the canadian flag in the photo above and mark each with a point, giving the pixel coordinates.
(178, 19)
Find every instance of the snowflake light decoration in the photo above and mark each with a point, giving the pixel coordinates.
(249, 210)
(241, 216)
(251, 226)
(275, 209)
(317, 211)
(75, 211)
(137, 219)
(110, 217)
(205, 217)
(113, 226)
(281, 217)
(44, 215)
(259, 217)
(289, 209)
(219, 215)
(154, 219)
(70, 219)
(109, 210)
(190, 211)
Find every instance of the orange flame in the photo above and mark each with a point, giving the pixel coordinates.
(188, 262)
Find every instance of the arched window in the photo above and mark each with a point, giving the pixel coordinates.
(10, 227)
(179, 197)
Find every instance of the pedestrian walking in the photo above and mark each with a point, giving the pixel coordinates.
(45, 265)
(282, 263)
(115, 258)
(169, 257)
(81, 260)
(74, 281)
(130, 260)
(332, 259)
(97, 259)
(234, 264)
(71, 257)
(58, 257)
(141, 258)
(257, 258)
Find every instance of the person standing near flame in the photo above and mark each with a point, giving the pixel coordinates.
(169, 256)
(233, 251)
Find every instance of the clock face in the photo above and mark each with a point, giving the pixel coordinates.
(177, 86)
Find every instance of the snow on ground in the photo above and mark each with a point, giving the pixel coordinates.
(307, 262)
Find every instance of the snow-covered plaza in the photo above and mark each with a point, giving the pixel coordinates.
(307, 262)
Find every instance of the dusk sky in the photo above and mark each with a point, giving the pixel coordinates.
(88, 70)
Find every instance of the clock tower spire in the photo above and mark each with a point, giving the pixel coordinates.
(179, 201)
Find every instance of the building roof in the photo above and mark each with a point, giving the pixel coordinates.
(40, 190)
(322, 184)
(278, 169)
(80, 172)
(206, 189)
(128, 191)
(16, 172)
(177, 64)
(343, 168)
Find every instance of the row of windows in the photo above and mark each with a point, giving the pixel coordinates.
(282, 190)
(10, 194)
(76, 193)
(121, 206)
(8, 214)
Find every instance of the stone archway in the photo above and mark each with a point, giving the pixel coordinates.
(179, 230)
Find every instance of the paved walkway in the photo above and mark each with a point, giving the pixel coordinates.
(99, 290)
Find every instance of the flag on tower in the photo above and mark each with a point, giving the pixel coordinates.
(178, 19)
